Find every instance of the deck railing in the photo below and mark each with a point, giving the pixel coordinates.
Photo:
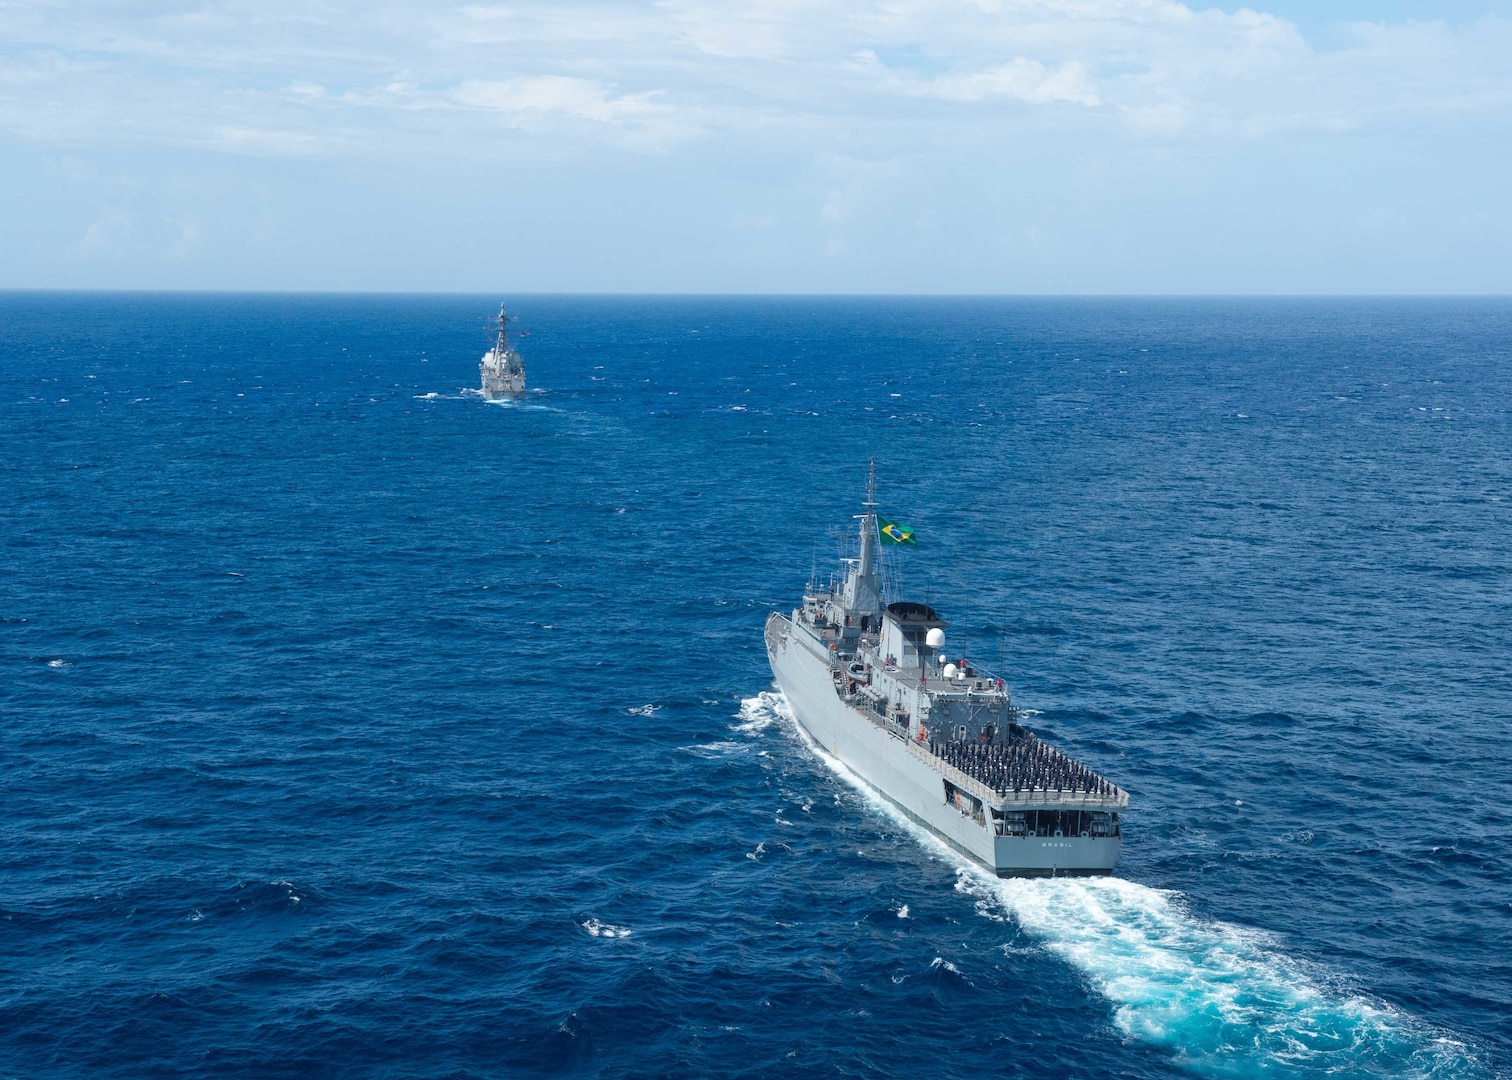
(1048, 797)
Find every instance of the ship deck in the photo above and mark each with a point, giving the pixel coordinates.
(1020, 769)
(1016, 769)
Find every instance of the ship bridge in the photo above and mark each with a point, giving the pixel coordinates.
(872, 684)
(905, 634)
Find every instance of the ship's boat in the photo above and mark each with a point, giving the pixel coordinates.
(941, 739)
(502, 370)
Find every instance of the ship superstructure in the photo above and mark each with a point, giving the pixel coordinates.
(502, 370)
(941, 739)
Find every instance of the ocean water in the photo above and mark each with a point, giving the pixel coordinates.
(358, 727)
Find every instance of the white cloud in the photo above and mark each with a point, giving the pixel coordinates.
(284, 77)
(248, 140)
(777, 30)
(107, 235)
(1026, 80)
(833, 130)
(582, 99)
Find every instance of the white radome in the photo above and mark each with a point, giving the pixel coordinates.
(913, 727)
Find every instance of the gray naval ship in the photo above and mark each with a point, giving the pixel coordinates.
(502, 370)
(939, 739)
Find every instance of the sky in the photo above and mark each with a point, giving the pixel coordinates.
(770, 146)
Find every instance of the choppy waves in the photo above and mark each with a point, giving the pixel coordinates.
(344, 708)
(759, 713)
(1223, 999)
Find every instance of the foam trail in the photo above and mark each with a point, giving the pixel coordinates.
(760, 712)
(1225, 1001)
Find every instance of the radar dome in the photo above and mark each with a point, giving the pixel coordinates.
(935, 639)
(949, 672)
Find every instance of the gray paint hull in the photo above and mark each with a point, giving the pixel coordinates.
(909, 781)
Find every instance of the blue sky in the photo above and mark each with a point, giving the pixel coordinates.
(914, 146)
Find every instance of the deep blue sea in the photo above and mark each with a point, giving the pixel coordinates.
(354, 726)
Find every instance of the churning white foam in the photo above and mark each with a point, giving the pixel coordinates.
(603, 929)
(759, 713)
(1225, 1001)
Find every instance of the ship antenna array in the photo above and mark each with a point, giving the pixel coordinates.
(887, 567)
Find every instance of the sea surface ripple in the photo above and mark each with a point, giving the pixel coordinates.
(357, 726)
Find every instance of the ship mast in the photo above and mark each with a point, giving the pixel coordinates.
(864, 590)
(869, 523)
(501, 345)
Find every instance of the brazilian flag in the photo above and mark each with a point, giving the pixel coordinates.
(893, 533)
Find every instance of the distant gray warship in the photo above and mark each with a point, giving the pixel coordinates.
(940, 740)
(502, 370)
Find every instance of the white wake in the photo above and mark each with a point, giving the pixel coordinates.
(1225, 1001)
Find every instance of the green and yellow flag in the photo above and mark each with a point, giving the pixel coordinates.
(893, 533)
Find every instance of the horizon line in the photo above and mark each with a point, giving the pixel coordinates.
(758, 295)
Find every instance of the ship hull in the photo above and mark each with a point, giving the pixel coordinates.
(501, 372)
(502, 387)
(879, 758)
